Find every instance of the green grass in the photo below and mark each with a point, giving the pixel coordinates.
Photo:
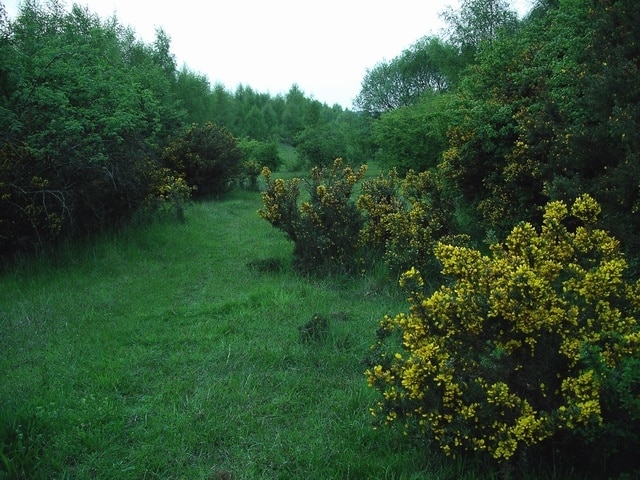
(175, 351)
(190, 351)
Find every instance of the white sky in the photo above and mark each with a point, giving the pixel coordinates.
(323, 47)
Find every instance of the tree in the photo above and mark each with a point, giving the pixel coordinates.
(414, 137)
(223, 108)
(427, 66)
(477, 22)
(194, 95)
(320, 145)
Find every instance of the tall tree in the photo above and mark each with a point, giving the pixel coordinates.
(429, 65)
(194, 95)
(478, 21)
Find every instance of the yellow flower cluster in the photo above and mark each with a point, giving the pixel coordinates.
(379, 199)
(170, 193)
(280, 202)
(403, 219)
(509, 351)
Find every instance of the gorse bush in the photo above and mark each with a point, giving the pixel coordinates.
(325, 227)
(170, 193)
(208, 157)
(380, 197)
(413, 233)
(264, 154)
(404, 219)
(534, 343)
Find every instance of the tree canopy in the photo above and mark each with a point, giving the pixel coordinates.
(429, 65)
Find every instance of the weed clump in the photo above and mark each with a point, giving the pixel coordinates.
(316, 329)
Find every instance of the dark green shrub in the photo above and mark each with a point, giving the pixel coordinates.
(33, 211)
(207, 156)
(45, 199)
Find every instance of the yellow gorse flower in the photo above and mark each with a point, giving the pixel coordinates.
(500, 358)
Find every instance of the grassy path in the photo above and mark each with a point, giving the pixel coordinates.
(174, 351)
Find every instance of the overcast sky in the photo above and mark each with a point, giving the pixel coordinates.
(323, 47)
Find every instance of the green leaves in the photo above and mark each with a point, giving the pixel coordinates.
(429, 65)
(88, 105)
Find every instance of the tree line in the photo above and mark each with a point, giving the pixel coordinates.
(96, 125)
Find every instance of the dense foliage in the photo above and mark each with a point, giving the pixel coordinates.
(96, 125)
(403, 220)
(207, 156)
(532, 342)
(81, 114)
(551, 113)
(546, 109)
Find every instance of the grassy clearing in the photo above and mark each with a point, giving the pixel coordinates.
(179, 351)
(191, 351)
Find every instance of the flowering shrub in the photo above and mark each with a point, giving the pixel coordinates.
(533, 342)
(379, 198)
(325, 227)
(404, 219)
(169, 192)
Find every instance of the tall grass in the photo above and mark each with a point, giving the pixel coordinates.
(191, 350)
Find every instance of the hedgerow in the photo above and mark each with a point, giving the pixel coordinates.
(536, 342)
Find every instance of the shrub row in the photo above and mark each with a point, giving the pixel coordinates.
(531, 344)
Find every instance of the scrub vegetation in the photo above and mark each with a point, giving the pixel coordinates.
(441, 284)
